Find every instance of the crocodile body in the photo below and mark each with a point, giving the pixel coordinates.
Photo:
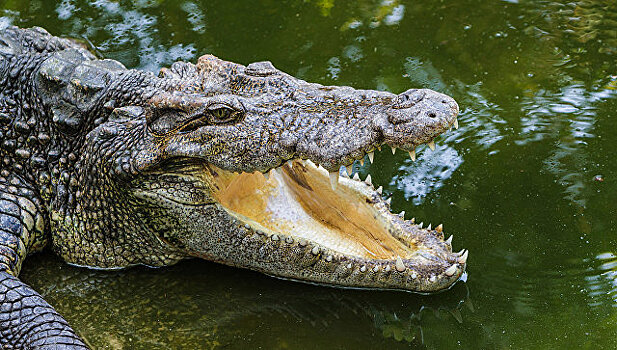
(111, 167)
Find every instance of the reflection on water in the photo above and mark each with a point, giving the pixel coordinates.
(516, 184)
(417, 179)
(601, 281)
(122, 28)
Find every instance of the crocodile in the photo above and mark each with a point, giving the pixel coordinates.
(247, 166)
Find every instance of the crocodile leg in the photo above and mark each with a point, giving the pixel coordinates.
(27, 321)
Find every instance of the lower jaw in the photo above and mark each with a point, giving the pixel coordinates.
(298, 228)
(311, 263)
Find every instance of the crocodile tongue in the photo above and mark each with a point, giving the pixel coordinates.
(298, 201)
(348, 227)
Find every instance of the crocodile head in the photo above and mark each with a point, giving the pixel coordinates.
(243, 166)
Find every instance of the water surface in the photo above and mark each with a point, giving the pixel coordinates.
(527, 183)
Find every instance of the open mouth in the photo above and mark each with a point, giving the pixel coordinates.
(303, 222)
(342, 223)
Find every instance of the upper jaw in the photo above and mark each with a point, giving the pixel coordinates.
(400, 125)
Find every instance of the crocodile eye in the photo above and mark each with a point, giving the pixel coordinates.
(223, 114)
(165, 121)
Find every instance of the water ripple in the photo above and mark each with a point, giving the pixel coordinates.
(601, 280)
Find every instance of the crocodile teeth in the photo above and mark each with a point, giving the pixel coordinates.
(429, 227)
(371, 157)
(380, 190)
(349, 169)
(345, 174)
(449, 240)
(463, 258)
(356, 177)
(431, 145)
(413, 220)
(456, 123)
(389, 200)
(412, 155)
(334, 179)
(451, 270)
(439, 228)
(400, 267)
(402, 214)
(421, 224)
(368, 180)
(393, 150)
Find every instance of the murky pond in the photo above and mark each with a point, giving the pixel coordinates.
(527, 183)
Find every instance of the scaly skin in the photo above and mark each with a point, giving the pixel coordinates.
(114, 167)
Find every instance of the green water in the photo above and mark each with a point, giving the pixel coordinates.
(518, 184)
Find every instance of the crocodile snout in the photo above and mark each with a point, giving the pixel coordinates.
(416, 116)
(437, 106)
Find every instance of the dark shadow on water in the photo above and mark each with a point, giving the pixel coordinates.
(196, 303)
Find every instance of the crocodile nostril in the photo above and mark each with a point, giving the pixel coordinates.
(432, 115)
